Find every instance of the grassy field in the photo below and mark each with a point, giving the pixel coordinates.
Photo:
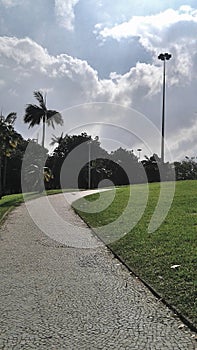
(151, 255)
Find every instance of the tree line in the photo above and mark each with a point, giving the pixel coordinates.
(77, 161)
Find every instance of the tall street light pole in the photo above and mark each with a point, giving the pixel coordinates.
(89, 164)
(163, 57)
(139, 150)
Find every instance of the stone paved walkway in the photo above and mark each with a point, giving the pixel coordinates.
(56, 296)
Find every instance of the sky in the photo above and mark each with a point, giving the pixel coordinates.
(97, 60)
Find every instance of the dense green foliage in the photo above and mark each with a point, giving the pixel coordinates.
(71, 157)
(9, 141)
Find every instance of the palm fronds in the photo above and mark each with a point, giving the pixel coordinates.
(11, 117)
(33, 115)
(56, 139)
(52, 117)
(40, 98)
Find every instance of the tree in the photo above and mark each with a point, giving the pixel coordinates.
(34, 114)
(186, 169)
(76, 149)
(13, 168)
(126, 169)
(156, 170)
(8, 142)
(34, 171)
(151, 168)
(59, 140)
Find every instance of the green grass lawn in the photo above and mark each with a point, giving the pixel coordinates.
(7, 203)
(151, 255)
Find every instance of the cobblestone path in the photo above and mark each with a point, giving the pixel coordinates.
(54, 296)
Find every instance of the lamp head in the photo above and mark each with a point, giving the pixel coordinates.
(164, 56)
(168, 56)
(161, 57)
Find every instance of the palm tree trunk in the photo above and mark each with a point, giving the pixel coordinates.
(43, 131)
(44, 122)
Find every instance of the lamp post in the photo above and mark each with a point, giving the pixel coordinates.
(89, 164)
(163, 57)
(139, 150)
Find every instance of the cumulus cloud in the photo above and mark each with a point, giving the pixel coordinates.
(23, 52)
(65, 12)
(184, 142)
(27, 66)
(26, 59)
(149, 28)
(173, 31)
(170, 30)
(11, 3)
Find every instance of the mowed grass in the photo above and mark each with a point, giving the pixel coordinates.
(8, 203)
(151, 255)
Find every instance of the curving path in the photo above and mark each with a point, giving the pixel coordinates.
(57, 296)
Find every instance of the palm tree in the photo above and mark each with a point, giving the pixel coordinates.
(34, 114)
(57, 139)
(10, 119)
(35, 176)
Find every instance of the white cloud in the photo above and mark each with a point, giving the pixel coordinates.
(172, 30)
(65, 12)
(10, 3)
(184, 142)
(149, 28)
(24, 52)
(27, 66)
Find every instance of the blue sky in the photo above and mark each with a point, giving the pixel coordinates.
(88, 51)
